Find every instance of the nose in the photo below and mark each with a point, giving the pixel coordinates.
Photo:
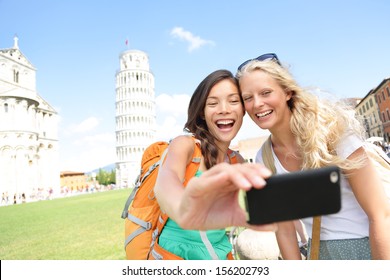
(258, 101)
(224, 108)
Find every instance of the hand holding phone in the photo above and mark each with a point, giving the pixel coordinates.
(295, 195)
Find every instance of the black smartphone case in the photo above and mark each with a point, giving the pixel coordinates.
(295, 195)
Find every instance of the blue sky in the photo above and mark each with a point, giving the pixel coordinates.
(341, 47)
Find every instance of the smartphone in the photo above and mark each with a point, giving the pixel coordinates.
(295, 195)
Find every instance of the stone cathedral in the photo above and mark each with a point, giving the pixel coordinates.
(29, 157)
(135, 114)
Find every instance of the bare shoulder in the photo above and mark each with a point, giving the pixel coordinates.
(182, 145)
(182, 141)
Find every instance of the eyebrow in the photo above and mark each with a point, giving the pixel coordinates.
(229, 95)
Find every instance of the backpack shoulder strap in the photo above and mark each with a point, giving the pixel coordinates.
(193, 166)
(376, 153)
(315, 238)
(268, 158)
(141, 177)
(232, 156)
(129, 200)
(191, 170)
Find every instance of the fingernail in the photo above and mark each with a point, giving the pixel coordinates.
(245, 183)
(259, 181)
(267, 172)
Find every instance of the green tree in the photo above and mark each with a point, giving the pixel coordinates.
(106, 178)
(113, 176)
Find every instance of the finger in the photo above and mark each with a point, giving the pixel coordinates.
(250, 175)
(227, 177)
(243, 176)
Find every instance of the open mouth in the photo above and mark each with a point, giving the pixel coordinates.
(264, 114)
(224, 124)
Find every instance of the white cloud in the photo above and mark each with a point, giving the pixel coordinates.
(89, 152)
(169, 129)
(176, 104)
(90, 158)
(171, 115)
(96, 140)
(195, 42)
(86, 125)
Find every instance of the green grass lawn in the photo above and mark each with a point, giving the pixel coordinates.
(84, 227)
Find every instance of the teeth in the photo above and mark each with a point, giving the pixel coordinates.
(224, 122)
(264, 114)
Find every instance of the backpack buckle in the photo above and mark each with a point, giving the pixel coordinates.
(155, 234)
(124, 214)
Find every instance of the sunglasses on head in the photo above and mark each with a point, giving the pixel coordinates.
(267, 56)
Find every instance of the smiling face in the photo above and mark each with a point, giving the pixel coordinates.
(265, 100)
(223, 111)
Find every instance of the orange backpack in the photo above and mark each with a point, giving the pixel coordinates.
(144, 219)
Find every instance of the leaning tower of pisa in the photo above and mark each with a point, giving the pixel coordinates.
(135, 114)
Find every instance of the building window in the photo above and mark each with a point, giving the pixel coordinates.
(388, 91)
(16, 76)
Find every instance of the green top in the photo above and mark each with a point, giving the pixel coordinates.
(188, 244)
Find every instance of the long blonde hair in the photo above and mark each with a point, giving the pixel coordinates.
(317, 124)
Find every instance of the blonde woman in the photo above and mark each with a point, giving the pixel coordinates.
(308, 133)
